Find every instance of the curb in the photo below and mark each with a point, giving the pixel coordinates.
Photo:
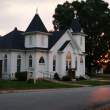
(31, 90)
(34, 90)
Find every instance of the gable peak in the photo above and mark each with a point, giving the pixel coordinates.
(15, 29)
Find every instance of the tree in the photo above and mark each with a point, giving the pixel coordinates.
(94, 17)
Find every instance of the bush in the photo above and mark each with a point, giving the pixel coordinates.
(21, 76)
(91, 74)
(56, 76)
(66, 78)
(30, 81)
(71, 73)
(80, 78)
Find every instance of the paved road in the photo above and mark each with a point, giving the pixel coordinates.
(63, 99)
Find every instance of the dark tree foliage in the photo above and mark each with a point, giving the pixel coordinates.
(94, 17)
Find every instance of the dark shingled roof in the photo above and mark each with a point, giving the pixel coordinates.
(13, 40)
(64, 45)
(54, 37)
(76, 27)
(36, 25)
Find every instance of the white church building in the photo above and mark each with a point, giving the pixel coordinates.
(42, 53)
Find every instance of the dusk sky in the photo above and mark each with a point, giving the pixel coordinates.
(19, 13)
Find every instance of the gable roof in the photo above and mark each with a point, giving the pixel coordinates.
(36, 25)
(64, 45)
(54, 37)
(13, 40)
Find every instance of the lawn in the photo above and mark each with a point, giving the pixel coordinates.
(10, 85)
(95, 82)
(43, 84)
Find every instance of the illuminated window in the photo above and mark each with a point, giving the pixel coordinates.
(30, 61)
(68, 60)
(5, 63)
(18, 63)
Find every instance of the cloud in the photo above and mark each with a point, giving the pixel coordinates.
(20, 13)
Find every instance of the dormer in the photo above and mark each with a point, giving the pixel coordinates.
(36, 35)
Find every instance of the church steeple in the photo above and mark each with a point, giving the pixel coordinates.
(76, 27)
(75, 14)
(36, 24)
(36, 11)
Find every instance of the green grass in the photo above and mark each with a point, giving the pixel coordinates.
(42, 84)
(104, 76)
(94, 82)
(10, 85)
(101, 76)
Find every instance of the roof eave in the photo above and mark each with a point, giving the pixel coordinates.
(15, 50)
(79, 33)
(35, 32)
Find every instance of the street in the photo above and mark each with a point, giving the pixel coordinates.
(62, 99)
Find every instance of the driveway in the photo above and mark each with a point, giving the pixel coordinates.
(83, 98)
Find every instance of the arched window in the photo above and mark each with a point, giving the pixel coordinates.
(41, 60)
(81, 40)
(18, 63)
(5, 63)
(54, 63)
(30, 61)
(81, 59)
(68, 60)
(76, 63)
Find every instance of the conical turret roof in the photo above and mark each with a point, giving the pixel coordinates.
(36, 25)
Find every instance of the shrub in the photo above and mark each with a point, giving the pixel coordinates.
(30, 81)
(21, 76)
(80, 78)
(66, 78)
(56, 76)
(91, 74)
(71, 73)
